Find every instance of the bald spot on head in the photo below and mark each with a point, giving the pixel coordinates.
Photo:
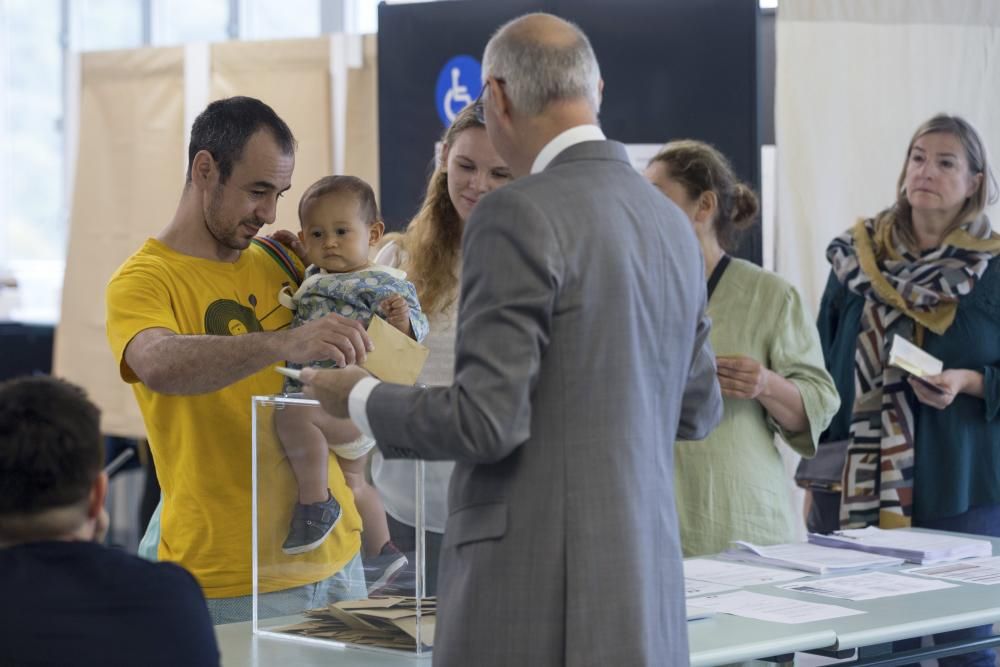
(542, 29)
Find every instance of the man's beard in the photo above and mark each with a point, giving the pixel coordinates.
(226, 235)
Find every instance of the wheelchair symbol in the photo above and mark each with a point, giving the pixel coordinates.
(456, 86)
(457, 94)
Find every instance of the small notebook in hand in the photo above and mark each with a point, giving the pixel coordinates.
(397, 358)
(906, 356)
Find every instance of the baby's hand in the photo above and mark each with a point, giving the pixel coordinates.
(397, 313)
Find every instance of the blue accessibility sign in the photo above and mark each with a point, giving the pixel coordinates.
(458, 85)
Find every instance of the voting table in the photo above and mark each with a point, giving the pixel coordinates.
(722, 638)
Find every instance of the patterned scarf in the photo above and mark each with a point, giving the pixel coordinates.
(904, 293)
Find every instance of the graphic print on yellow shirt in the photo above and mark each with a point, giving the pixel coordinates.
(201, 444)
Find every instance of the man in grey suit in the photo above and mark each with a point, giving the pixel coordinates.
(582, 353)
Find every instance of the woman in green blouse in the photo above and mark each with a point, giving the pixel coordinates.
(733, 485)
(925, 269)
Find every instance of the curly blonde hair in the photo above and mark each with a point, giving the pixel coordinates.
(432, 242)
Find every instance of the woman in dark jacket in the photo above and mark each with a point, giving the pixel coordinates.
(920, 452)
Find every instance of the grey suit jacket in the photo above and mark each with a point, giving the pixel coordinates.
(582, 353)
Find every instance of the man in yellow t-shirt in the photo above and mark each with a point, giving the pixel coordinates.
(195, 323)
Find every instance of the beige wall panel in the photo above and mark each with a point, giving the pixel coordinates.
(128, 180)
(361, 148)
(293, 77)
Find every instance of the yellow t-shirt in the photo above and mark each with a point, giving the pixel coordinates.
(201, 444)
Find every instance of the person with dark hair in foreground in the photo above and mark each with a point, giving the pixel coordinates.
(67, 599)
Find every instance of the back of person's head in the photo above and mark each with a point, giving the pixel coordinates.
(339, 184)
(225, 126)
(51, 453)
(541, 59)
(975, 157)
(698, 167)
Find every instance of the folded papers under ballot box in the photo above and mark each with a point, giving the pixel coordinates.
(320, 589)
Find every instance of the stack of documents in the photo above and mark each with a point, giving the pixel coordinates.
(809, 557)
(915, 547)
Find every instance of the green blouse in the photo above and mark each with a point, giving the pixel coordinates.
(733, 484)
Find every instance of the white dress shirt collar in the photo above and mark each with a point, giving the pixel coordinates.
(562, 141)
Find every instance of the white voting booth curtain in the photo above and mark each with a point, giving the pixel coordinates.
(135, 109)
(854, 80)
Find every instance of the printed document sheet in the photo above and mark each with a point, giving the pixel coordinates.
(983, 571)
(695, 587)
(867, 586)
(735, 574)
(773, 608)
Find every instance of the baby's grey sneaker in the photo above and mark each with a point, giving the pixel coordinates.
(311, 524)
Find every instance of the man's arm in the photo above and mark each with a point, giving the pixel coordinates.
(171, 363)
(510, 277)
(701, 406)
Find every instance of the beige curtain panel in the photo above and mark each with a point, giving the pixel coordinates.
(293, 77)
(128, 181)
(361, 121)
(132, 155)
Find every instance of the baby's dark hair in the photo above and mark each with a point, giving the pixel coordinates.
(351, 184)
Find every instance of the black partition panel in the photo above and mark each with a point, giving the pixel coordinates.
(672, 69)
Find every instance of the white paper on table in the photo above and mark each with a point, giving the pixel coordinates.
(693, 587)
(983, 571)
(773, 608)
(867, 586)
(735, 574)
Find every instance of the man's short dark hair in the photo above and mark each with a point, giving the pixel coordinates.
(51, 449)
(225, 126)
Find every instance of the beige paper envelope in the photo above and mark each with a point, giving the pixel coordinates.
(397, 358)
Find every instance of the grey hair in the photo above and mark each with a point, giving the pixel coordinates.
(536, 73)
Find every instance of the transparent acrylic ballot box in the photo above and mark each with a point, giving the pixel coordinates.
(321, 590)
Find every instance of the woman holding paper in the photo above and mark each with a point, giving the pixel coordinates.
(927, 452)
(430, 253)
(733, 485)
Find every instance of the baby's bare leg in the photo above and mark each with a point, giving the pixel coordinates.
(375, 528)
(305, 445)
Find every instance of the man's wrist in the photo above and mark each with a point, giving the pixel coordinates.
(270, 348)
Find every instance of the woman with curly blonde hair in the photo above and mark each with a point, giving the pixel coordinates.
(430, 251)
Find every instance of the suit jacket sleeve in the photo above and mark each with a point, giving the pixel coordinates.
(701, 406)
(511, 271)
